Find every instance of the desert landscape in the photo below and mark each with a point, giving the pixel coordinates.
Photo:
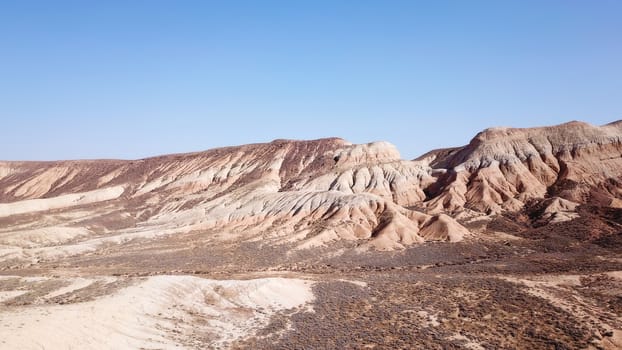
(513, 241)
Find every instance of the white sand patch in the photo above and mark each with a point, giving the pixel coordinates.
(10, 294)
(615, 274)
(34, 279)
(148, 187)
(506, 236)
(110, 176)
(356, 283)
(22, 249)
(469, 344)
(429, 319)
(159, 312)
(42, 236)
(7, 253)
(8, 277)
(67, 200)
(76, 283)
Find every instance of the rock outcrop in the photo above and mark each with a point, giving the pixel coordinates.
(504, 168)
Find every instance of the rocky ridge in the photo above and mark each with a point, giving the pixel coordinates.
(504, 168)
(306, 194)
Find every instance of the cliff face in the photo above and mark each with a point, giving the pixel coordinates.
(305, 194)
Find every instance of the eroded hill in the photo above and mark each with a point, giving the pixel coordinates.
(511, 241)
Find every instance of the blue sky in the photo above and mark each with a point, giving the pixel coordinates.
(129, 79)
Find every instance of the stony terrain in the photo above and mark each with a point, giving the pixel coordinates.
(512, 241)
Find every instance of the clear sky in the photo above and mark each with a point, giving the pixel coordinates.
(129, 79)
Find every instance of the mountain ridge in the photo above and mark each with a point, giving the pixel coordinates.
(314, 193)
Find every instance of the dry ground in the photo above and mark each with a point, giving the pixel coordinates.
(496, 291)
